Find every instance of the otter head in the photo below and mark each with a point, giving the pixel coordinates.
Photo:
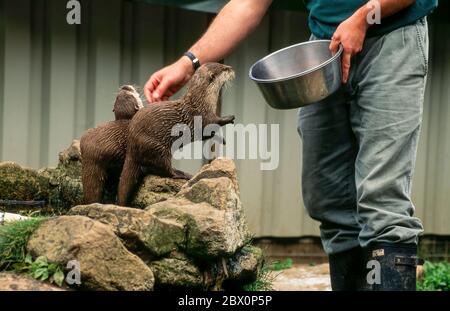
(127, 103)
(207, 82)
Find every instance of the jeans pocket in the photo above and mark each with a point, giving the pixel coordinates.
(422, 42)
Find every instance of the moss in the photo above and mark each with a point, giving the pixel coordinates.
(24, 184)
(63, 190)
(165, 236)
(155, 189)
(174, 272)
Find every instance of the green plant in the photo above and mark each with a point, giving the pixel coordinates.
(266, 275)
(436, 277)
(13, 240)
(41, 269)
(13, 255)
(263, 282)
(281, 265)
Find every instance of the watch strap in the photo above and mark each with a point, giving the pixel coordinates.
(195, 61)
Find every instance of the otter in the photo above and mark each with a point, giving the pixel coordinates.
(103, 148)
(150, 138)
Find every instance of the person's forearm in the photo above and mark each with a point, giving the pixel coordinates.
(233, 23)
(387, 8)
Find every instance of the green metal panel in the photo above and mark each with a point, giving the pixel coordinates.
(57, 80)
(62, 93)
(16, 89)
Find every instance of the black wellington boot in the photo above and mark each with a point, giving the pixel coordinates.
(347, 269)
(391, 267)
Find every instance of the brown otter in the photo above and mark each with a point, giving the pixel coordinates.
(150, 139)
(103, 148)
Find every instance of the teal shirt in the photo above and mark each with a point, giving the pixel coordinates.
(326, 15)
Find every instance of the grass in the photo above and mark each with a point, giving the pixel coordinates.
(13, 254)
(436, 277)
(281, 265)
(264, 280)
(13, 240)
(267, 275)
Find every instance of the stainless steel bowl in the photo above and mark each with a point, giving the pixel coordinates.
(298, 75)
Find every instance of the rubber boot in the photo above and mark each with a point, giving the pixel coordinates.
(347, 269)
(391, 267)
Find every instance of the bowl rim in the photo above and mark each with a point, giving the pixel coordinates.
(302, 73)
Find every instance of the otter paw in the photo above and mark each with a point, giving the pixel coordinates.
(230, 119)
(227, 120)
(181, 175)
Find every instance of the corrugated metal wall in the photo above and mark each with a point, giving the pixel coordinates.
(57, 80)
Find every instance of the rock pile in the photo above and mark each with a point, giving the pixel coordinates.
(186, 234)
(62, 187)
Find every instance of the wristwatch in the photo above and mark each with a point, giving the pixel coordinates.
(193, 58)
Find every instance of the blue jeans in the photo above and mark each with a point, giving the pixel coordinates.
(360, 144)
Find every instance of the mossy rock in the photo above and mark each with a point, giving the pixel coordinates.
(154, 189)
(20, 183)
(159, 235)
(176, 273)
(58, 187)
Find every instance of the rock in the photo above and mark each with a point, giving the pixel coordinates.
(70, 160)
(7, 217)
(210, 232)
(166, 234)
(63, 190)
(205, 220)
(209, 207)
(156, 189)
(244, 266)
(218, 192)
(18, 282)
(66, 188)
(105, 262)
(191, 234)
(21, 183)
(176, 273)
(159, 235)
(62, 186)
(126, 222)
(420, 272)
(234, 272)
(59, 187)
(220, 167)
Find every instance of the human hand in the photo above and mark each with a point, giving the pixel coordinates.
(351, 34)
(167, 81)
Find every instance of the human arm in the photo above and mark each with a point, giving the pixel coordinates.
(351, 33)
(233, 23)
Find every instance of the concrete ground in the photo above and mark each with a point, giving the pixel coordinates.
(303, 277)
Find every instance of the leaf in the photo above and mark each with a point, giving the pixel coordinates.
(52, 268)
(37, 273)
(58, 277)
(28, 259)
(41, 261)
(44, 275)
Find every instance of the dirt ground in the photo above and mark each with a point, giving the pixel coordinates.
(303, 277)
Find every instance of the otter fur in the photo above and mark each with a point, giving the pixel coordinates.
(150, 138)
(103, 148)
